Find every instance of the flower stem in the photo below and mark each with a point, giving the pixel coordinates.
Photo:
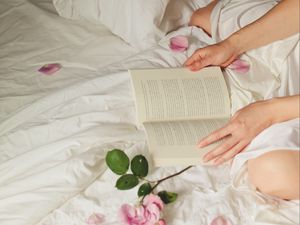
(168, 177)
(163, 179)
(149, 181)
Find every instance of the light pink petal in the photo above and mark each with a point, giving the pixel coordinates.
(96, 219)
(220, 220)
(153, 199)
(179, 43)
(49, 69)
(239, 66)
(126, 213)
(162, 222)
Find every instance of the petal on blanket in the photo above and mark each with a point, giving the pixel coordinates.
(95, 219)
(49, 69)
(239, 66)
(179, 43)
(220, 220)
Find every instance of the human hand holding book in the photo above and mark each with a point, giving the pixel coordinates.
(178, 107)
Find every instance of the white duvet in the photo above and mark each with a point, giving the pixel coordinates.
(55, 130)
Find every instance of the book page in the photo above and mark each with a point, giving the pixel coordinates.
(177, 94)
(175, 142)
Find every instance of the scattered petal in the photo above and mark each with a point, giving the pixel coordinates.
(220, 220)
(239, 66)
(161, 222)
(179, 43)
(95, 219)
(49, 69)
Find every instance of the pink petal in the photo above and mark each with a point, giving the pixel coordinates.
(239, 66)
(49, 69)
(95, 219)
(153, 199)
(179, 43)
(162, 222)
(220, 220)
(127, 213)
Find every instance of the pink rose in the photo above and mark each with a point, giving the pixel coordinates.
(146, 214)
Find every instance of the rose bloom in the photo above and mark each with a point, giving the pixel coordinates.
(146, 214)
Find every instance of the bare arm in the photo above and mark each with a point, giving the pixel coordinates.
(280, 22)
(247, 123)
(285, 108)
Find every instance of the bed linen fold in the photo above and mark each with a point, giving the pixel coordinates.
(55, 130)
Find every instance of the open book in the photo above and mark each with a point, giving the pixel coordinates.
(178, 108)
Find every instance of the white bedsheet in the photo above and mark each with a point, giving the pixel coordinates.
(55, 130)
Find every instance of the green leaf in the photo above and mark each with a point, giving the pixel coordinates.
(144, 189)
(139, 166)
(127, 182)
(167, 197)
(117, 161)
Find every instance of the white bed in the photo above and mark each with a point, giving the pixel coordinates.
(55, 130)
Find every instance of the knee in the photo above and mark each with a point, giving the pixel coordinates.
(201, 18)
(276, 173)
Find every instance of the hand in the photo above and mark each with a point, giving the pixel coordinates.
(243, 127)
(220, 54)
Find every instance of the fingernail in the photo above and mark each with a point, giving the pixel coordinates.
(205, 158)
(200, 144)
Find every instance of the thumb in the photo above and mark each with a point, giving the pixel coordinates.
(198, 55)
(201, 63)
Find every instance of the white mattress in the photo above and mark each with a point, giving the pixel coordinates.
(55, 130)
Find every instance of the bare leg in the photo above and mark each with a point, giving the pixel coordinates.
(276, 173)
(201, 17)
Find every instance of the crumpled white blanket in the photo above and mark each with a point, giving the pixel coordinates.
(52, 167)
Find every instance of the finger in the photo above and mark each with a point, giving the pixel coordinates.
(216, 135)
(196, 66)
(198, 55)
(220, 149)
(200, 64)
(231, 153)
(192, 59)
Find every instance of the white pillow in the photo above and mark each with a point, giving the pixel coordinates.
(141, 23)
(87, 10)
(135, 21)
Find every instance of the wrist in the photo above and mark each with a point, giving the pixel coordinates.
(234, 44)
(277, 110)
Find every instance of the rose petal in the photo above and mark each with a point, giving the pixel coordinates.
(239, 66)
(49, 69)
(179, 43)
(220, 220)
(126, 213)
(95, 219)
(161, 222)
(153, 199)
